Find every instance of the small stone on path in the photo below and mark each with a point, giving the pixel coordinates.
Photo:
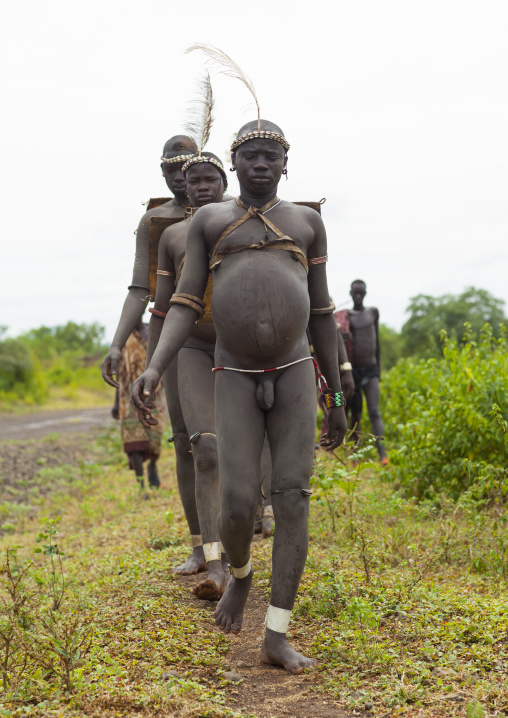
(232, 676)
(170, 674)
(457, 697)
(243, 664)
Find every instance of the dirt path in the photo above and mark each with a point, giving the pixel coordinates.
(42, 423)
(267, 691)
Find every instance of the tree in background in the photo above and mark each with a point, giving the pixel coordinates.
(391, 344)
(66, 357)
(15, 362)
(70, 339)
(430, 315)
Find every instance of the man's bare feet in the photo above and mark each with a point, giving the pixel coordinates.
(213, 587)
(229, 612)
(277, 651)
(194, 564)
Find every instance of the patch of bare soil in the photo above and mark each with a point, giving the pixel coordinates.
(33, 468)
(266, 691)
(41, 423)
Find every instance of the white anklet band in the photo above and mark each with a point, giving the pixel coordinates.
(212, 551)
(221, 548)
(196, 540)
(277, 619)
(268, 512)
(241, 572)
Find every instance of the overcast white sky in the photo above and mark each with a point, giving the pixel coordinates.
(396, 111)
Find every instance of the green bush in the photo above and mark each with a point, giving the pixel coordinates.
(64, 357)
(438, 413)
(20, 373)
(15, 364)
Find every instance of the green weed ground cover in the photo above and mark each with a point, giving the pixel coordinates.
(404, 605)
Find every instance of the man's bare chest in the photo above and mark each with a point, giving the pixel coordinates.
(361, 321)
(256, 230)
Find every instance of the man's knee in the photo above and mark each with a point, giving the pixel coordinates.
(205, 452)
(290, 507)
(238, 508)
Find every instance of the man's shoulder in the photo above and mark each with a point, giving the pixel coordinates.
(215, 210)
(302, 211)
(174, 231)
(168, 209)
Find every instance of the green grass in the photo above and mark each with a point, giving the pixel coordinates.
(404, 605)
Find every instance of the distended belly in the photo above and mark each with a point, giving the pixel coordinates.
(260, 304)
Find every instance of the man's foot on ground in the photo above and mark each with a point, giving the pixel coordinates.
(277, 652)
(385, 461)
(153, 476)
(194, 564)
(213, 587)
(229, 612)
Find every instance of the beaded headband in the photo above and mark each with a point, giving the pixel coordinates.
(198, 159)
(261, 135)
(177, 159)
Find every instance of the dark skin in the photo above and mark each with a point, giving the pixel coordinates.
(261, 302)
(133, 309)
(136, 300)
(364, 323)
(196, 382)
(346, 377)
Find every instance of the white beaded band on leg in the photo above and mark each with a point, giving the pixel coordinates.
(212, 551)
(277, 619)
(196, 540)
(241, 572)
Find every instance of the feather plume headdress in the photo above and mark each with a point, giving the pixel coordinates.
(227, 66)
(199, 126)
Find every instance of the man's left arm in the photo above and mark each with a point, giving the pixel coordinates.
(323, 332)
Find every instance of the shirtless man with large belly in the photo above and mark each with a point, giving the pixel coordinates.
(259, 249)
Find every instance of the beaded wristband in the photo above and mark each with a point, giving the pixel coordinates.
(335, 399)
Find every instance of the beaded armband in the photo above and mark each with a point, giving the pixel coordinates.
(335, 399)
(324, 310)
(188, 300)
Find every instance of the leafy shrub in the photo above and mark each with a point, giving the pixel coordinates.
(15, 364)
(428, 316)
(439, 413)
(20, 373)
(70, 339)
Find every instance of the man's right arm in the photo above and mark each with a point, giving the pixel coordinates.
(346, 374)
(180, 320)
(134, 305)
(164, 292)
